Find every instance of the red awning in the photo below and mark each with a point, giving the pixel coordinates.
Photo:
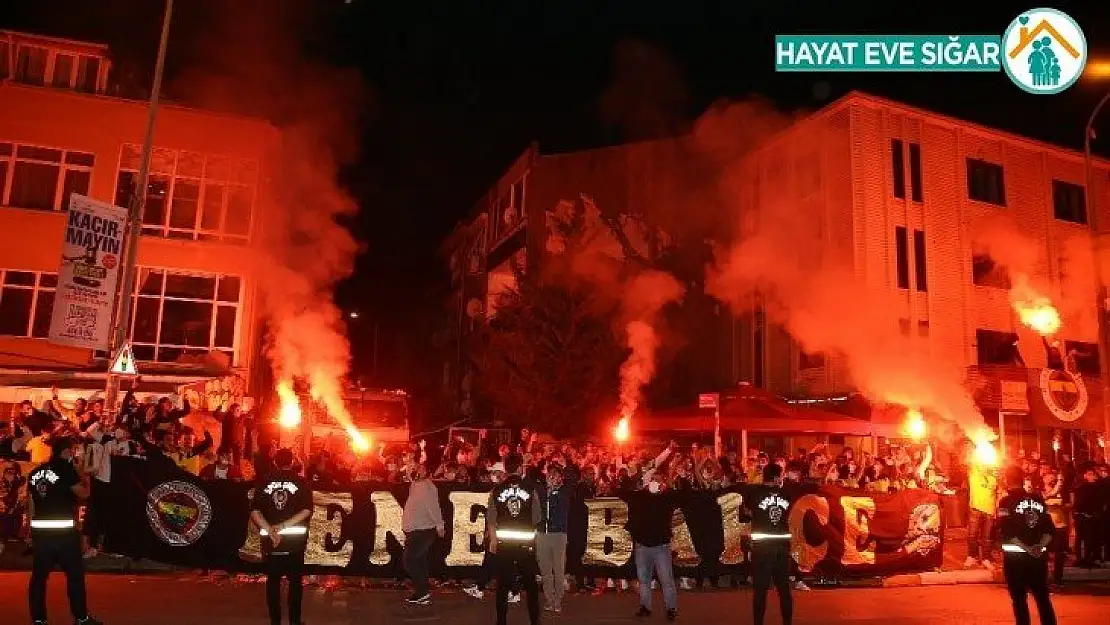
(756, 411)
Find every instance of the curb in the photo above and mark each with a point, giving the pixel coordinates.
(980, 576)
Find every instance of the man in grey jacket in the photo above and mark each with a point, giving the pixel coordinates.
(422, 522)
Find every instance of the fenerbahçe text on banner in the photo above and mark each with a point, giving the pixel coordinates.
(164, 514)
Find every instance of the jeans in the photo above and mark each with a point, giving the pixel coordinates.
(291, 567)
(551, 551)
(771, 563)
(1028, 575)
(61, 548)
(979, 535)
(657, 559)
(417, 545)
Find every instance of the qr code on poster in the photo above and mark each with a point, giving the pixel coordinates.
(81, 318)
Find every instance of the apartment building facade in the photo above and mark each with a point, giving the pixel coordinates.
(911, 201)
(195, 312)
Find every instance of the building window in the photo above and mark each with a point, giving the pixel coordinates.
(88, 74)
(901, 248)
(1069, 202)
(190, 195)
(807, 360)
(920, 273)
(997, 348)
(26, 303)
(5, 72)
(985, 182)
(898, 166)
(986, 272)
(1083, 357)
(923, 328)
(63, 71)
(42, 178)
(30, 65)
(915, 172)
(904, 326)
(179, 317)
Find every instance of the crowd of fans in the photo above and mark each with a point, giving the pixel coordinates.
(155, 430)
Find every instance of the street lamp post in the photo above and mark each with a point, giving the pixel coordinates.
(134, 219)
(1094, 219)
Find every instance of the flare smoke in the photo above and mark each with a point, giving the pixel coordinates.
(645, 296)
(249, 63)
(782, 262)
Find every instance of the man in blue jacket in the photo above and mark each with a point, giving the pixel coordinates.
(551, 539)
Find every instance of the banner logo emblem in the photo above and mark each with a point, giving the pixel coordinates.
(1064, 394)
(179, 512)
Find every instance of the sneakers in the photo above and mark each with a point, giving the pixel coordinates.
(514, 597)
(643, 612)
(672, 614)
(800, 585)
(970, 562)
(474, 591)
(683, 584)
(422, 600)
(88, 620)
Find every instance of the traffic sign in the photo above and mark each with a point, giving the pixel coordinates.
(124, 362)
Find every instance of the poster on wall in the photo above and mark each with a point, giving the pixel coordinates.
(92, 251)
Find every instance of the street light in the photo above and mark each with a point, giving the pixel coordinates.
(120, 333)
(1097, 70)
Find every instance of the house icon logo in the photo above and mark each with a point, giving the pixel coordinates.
(1044, 51)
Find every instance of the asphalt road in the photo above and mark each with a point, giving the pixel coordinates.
(188, 600)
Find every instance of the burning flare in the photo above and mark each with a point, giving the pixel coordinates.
(623, 430)
(290, 415)
(915, 426)
(1035, 310)
(985, 454)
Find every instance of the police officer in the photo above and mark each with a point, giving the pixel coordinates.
(54, 489)
(281, 509)
(1026, 529)
(769, 509)
(512, 514)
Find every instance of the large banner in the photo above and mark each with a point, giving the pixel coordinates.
(160, 513)
(91, 255)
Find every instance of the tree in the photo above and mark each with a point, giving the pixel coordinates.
(548, 358)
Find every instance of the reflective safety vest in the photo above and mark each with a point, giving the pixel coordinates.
(52, 524)
(514, 505)
(292, 530)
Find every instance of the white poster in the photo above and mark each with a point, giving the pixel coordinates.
(92, 252)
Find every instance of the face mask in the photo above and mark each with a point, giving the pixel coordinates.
(653, 487)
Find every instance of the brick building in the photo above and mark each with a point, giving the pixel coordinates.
(61, 132)
(897, 193)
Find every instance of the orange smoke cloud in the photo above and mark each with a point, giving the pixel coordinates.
(783, 262)
(645, 296)
(249, 62)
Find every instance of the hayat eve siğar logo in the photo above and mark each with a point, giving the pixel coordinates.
(1044, 51)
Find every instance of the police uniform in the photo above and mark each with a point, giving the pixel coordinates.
(55, 538)
(278, 498)
(770, 522)
(1025, 517)
(513, 512)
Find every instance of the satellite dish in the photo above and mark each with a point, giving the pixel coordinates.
(473, 308)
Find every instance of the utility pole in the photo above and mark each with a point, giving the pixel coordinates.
(122, 323)
(1093, 218)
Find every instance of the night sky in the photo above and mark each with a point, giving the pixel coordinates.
(461, 87)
